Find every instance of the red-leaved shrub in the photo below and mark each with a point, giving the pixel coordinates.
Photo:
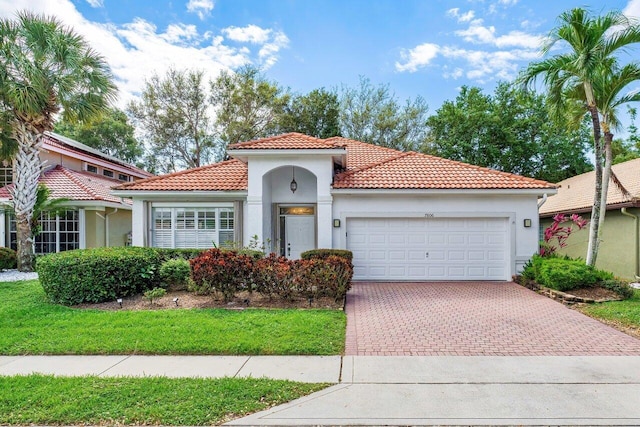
(226, 272)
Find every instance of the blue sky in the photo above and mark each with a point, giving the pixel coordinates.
(428, 48)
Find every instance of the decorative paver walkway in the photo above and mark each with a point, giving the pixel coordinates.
(472, 319)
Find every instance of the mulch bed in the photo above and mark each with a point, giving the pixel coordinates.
(190, 300)
(594, 293)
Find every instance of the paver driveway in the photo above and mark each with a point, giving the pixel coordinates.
(471, 319)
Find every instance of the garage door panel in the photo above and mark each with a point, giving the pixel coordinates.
(429, 249)
(477, 255)
(456, 239)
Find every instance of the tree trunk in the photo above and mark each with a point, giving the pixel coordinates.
(594, 228)
(27, 167)
(606, 177)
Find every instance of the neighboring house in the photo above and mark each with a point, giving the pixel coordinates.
(405, 216)
(85, 176)
(618, 250)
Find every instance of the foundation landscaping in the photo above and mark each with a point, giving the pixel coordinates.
(92, 302)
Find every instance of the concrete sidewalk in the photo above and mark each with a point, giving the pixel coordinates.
(546, 390)
(415, 390)
(312, 369)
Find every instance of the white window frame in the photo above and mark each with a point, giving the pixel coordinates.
(210, 236)
(9, 219)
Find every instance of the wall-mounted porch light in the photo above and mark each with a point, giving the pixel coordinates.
(336, 223)
(294, 185)
(527, 222)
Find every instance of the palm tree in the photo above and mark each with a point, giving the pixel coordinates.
(46, 70)
(591, 42)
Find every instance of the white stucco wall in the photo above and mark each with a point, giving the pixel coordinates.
(524, 241)
(276, 171)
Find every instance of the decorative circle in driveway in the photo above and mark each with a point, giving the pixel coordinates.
(472, 319)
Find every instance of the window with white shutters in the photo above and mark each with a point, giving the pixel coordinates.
(192, 227)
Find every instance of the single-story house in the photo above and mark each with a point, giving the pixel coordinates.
(405, 215)
(619, 245)
(84, 176)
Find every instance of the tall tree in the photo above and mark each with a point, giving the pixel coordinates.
(315, 114)
(589, 41)
(511, 131)
(110, 133)
(175, 119)
(46, 70)
(622, 150)
(248, 105)
(609, 84)
(373, 114)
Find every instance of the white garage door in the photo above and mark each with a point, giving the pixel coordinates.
(429, 249)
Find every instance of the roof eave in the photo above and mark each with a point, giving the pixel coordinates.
(338, 154)
(454, 191)
(587, 209)
(170, 193)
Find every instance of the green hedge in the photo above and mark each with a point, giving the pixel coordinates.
(325, 253)
(8, 259)
(167, 253)
(564, 275)
(98, 275)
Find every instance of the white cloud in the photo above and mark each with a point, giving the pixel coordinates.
(268, 54)
(486, 65)
(250, 33)
(138, 49)
(478, 34)
(454, 74)
(96, 3)
(461, 17)
(418, 57)
(632, 9)
(202, 7)
(508, 2)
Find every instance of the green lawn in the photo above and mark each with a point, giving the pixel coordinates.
(31, 325)
(625, 313)
(47, 400)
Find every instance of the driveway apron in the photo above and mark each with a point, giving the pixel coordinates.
(472, 319)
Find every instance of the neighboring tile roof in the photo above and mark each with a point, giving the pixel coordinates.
(230, 175)
(287, 141)
(76, 186)
(575, 194)
(410, 170)
(368, 167)
(60, 141)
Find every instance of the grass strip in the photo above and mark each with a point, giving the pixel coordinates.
(625, 313)
(48, 400)
(32, 325)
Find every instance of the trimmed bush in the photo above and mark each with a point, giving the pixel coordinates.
(564, 275)
(176, 273)
(324, 253)
(154, 293)
(99, 274)
(618, 286)
(273, 277)
(8, 259)
(226, 272)
(167, 253)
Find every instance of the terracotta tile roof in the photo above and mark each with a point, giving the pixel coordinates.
(60, 141)
(230, 175)
(368, 167)
(360, 153)
(76, 186)
(287, 141)
(575, 194)
(410, 170)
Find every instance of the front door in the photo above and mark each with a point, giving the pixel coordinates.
(296, 230)
(299, 234)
